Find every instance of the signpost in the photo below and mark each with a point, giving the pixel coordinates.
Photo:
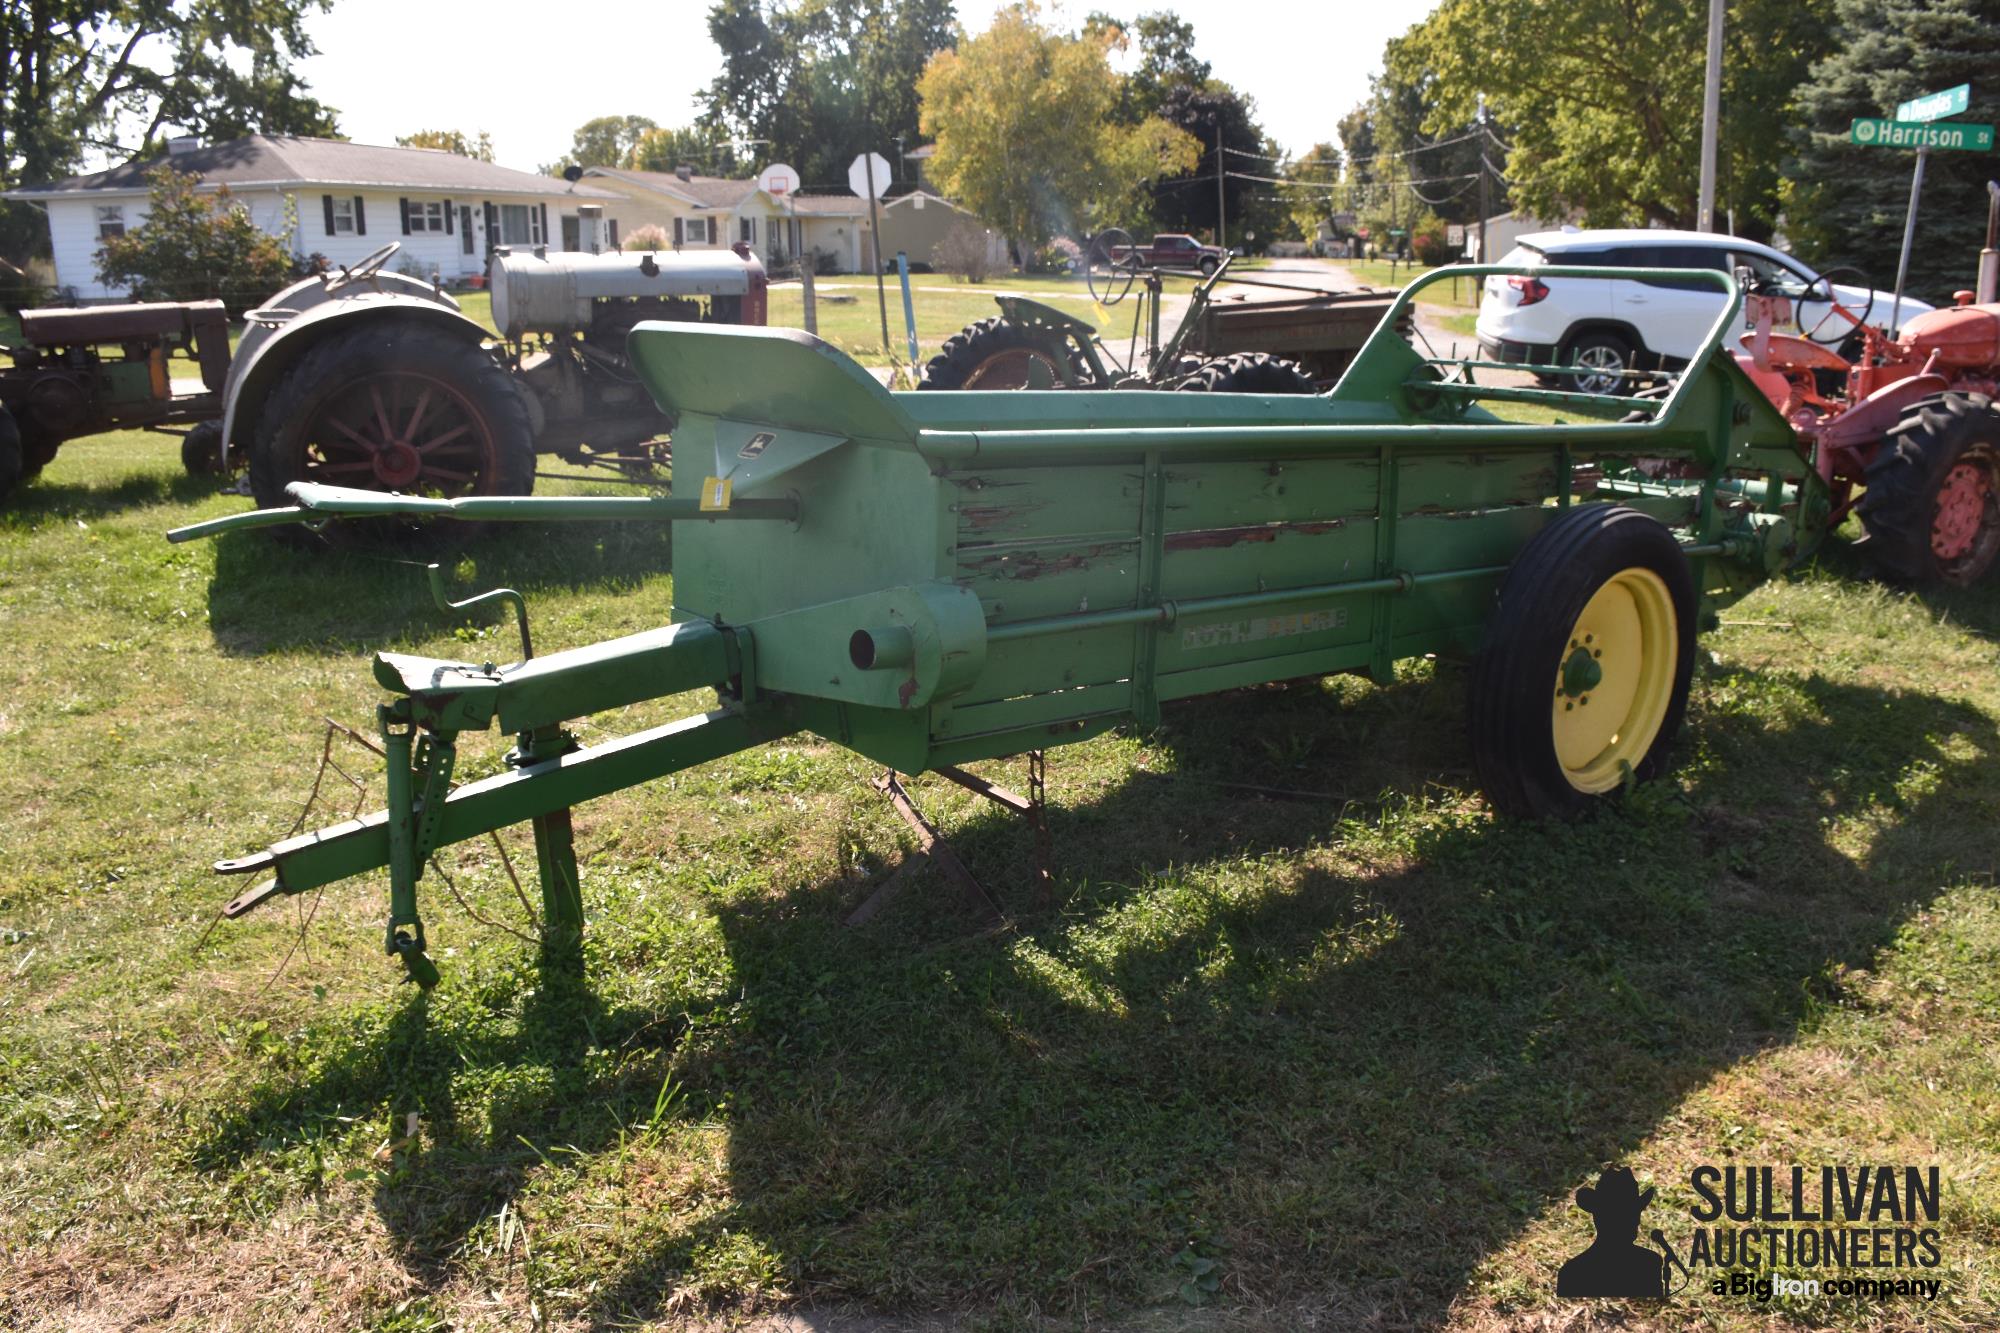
(868, 176)
(1915, 126)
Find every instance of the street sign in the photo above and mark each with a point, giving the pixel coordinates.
(857, 175)
(1936, 106)
(1874, 132)
(778, 180)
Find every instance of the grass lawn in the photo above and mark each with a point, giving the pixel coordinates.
(1350, 1055)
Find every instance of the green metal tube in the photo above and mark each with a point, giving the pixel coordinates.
(329, 502)
(1167, 612)
(1362, 440)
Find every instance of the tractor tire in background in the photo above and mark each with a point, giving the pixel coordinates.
(10, 453)
(993, 354)
(1247, 372)
(201, 450)
(1931, 507)
(394, 406)
(1583, 681)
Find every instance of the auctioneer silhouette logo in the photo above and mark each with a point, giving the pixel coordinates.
(1837, 1231)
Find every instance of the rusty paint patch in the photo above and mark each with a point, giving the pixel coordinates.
(905, 690)
(1212, 539)
(1035, 565)
(985, 518)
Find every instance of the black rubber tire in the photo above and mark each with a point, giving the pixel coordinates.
(201, 450)
(1247, 372)
(276, 454)
(966, 354)
(38, 449)
(1208, 265)
(10, 454)
(1540, 601)
(1903, 480)
(1617, 354)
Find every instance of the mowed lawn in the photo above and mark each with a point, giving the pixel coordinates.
(1335, 1061)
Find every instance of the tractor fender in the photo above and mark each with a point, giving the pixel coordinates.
(298, 318)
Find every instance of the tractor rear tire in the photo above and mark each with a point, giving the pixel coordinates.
(1247, 372)
(1598, 610)
(394, 406)
(993, 354)
(1932, 504)
(201, 450)
(10, 453)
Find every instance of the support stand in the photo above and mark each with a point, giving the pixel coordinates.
(931, 845)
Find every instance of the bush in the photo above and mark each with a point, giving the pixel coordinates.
(964, 252)
(652, 236)
(193, 247)
(1432, 245)
(825, 262)
(1062, 255)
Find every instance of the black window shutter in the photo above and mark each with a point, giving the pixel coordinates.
(447, 217)
(545, 223)
(404, 204)
(327, 201)
(360, 217)
(680, 231)
(492, 225)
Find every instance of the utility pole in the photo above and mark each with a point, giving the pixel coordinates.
(1485, 205)
(1711, 118)
(1221, 209)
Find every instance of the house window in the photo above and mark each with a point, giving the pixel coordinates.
(343, 217)
(698, 231)
(465, 229)
(748, 231)
(426, 216)
(520, 224)
(110, 221)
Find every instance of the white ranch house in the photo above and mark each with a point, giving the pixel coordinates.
(325, 196)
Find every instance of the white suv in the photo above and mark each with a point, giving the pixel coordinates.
(1607, 327)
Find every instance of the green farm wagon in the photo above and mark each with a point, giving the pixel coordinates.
(936, 579)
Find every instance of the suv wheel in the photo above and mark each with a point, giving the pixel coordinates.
(1601, 361)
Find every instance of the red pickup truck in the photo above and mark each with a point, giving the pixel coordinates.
(1172, 249)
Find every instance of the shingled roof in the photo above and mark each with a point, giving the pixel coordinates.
(723, 192)
(284, 160)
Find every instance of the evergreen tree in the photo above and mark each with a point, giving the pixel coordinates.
(1845, 204)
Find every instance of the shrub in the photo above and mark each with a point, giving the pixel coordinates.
(1062, 255)
(652, 236)
(192, 247)
(964, 252)
(1432, 245)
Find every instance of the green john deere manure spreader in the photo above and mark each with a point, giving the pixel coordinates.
(935, 579)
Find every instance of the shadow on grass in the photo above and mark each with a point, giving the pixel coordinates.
(41, 500)
(275, 592)
(1359, 1073)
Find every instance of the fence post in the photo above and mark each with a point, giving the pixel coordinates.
(806, 289)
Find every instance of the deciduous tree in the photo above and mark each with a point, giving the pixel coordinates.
(1603, 97)
(193, 246)
(114, 77)
(478, 146)
(1021, 115)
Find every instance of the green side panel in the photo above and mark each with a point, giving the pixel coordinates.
(900, 740)
(1475, 479)
(1056, 661)
(1058, 708)
(1002, 505)
(1062, 409)
(1225, 561)
(1238, 492)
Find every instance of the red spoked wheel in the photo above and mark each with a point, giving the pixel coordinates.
(1931, 506)
(401, 431)
(1963, 505)
(403, 408)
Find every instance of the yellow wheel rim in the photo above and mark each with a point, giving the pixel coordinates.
(1615, 680)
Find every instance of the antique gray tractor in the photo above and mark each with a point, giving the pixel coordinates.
(364, 378)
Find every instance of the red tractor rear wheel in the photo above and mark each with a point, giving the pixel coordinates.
(1932, 503)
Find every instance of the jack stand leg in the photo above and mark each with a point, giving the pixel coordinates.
(405, 851)
(931, 846)
(555, 861)
(1038, 821)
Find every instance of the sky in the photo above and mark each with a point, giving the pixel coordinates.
(529, 77)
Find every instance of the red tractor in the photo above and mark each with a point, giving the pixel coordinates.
(1911, 422)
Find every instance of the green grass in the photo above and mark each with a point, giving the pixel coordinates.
(1356, 1051)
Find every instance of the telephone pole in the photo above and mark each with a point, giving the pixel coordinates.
(1711, 118)
(1221, 209)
